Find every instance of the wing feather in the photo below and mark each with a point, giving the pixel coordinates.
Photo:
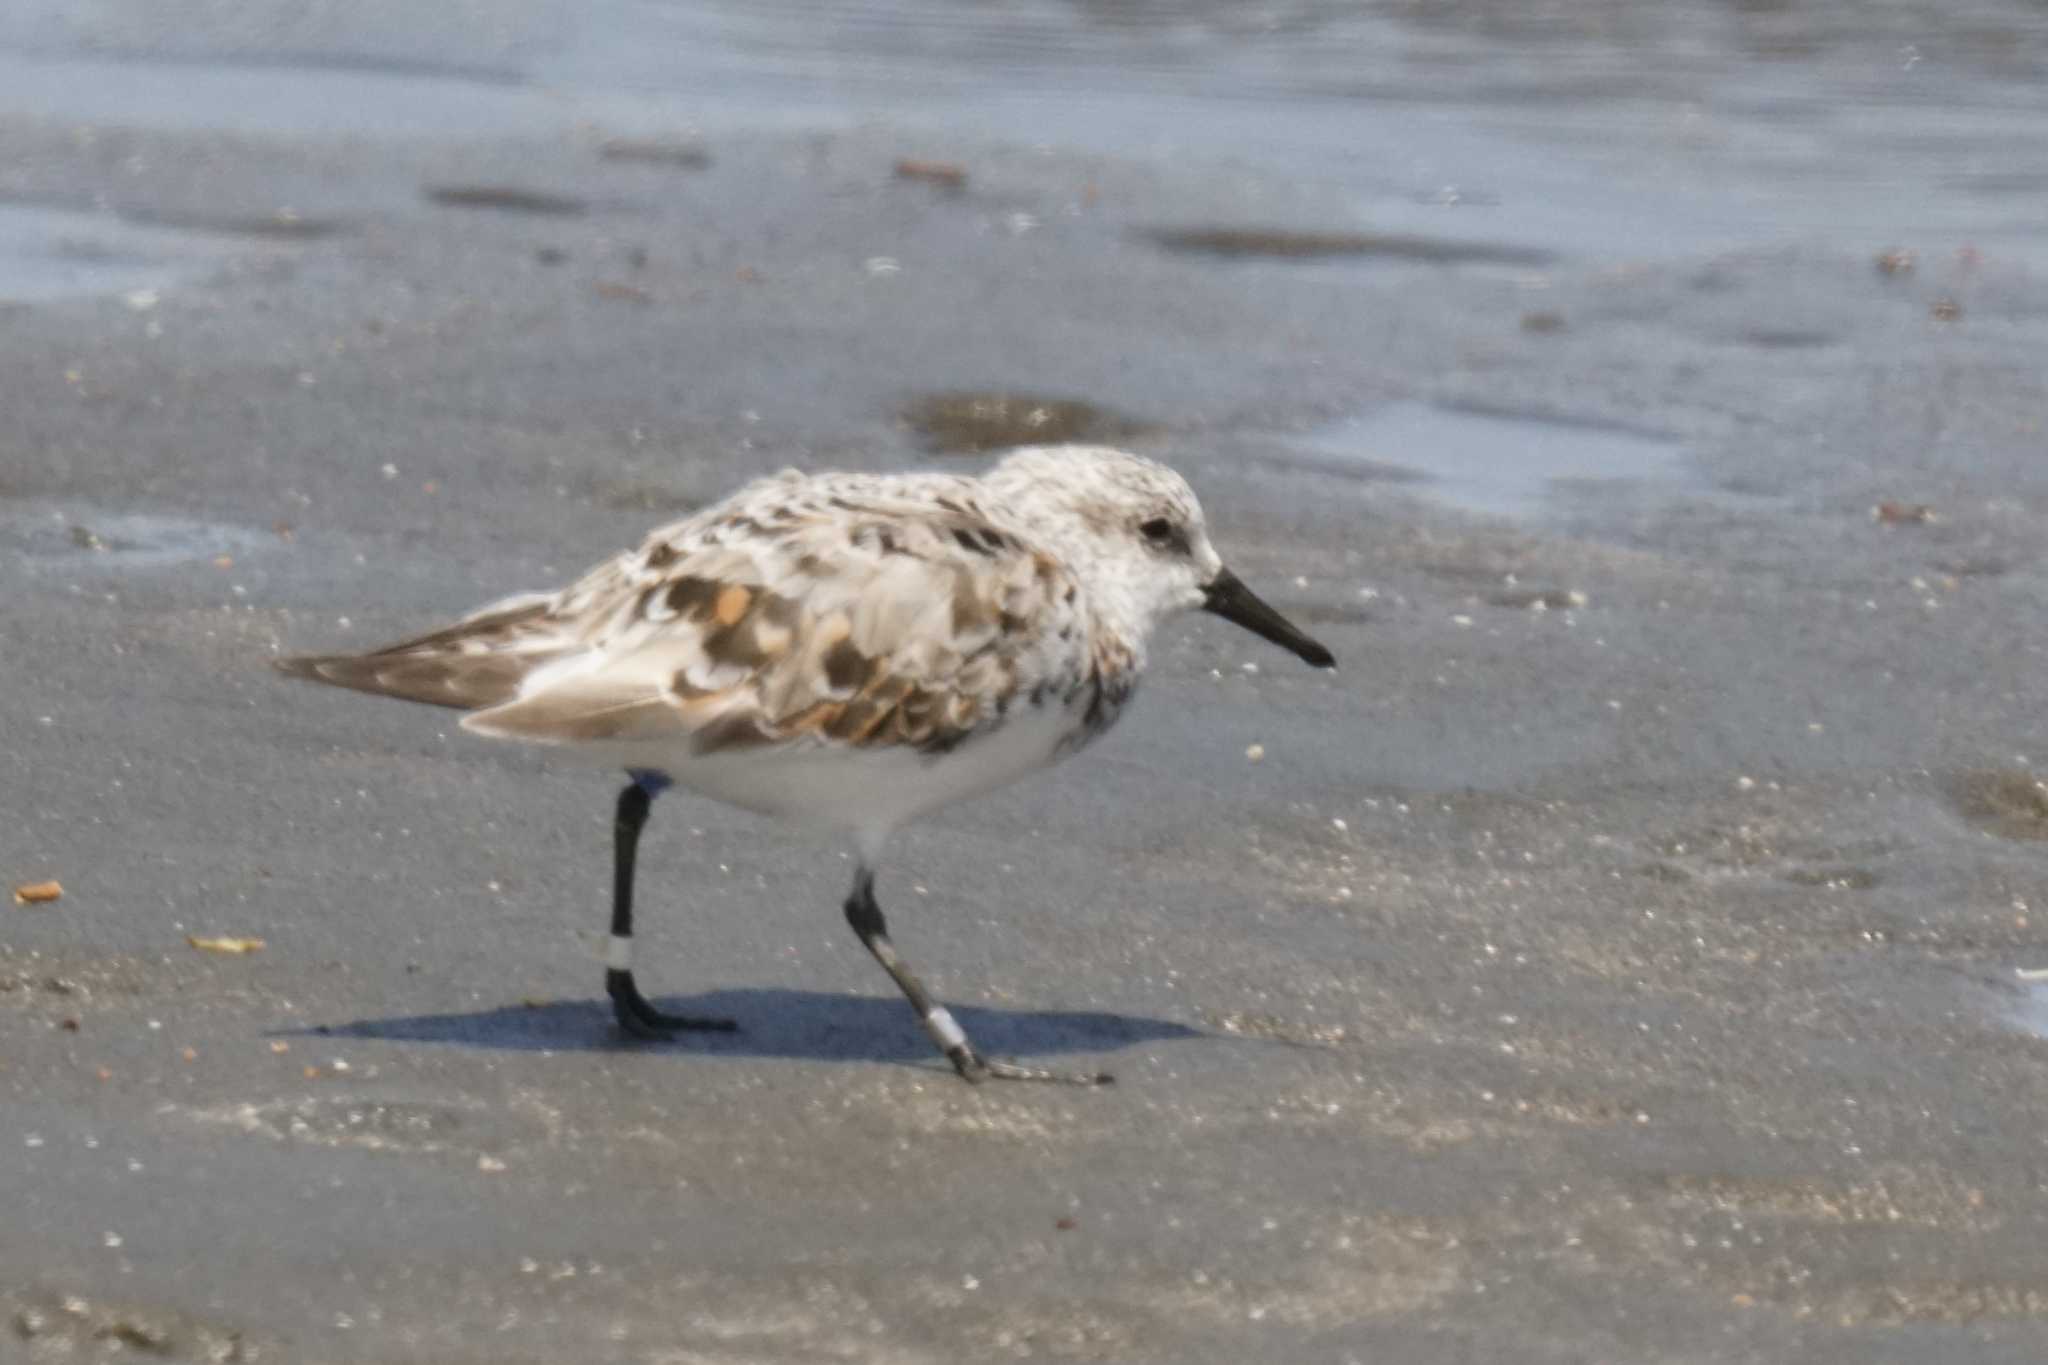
(478, 662)
(861, 625)
(843, 610)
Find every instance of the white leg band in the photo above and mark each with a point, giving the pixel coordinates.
(944, 1031)
(618, 954)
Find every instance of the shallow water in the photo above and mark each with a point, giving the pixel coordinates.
(52, 252)
(1644, 131)
(88, 540)
(2032, 1014)
(1502, 464)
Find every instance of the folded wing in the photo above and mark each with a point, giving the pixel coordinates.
(860, 624)
(478, 662)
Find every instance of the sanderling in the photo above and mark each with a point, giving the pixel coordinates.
(847, 650)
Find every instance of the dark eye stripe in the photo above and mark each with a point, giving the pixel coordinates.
(1165, 535)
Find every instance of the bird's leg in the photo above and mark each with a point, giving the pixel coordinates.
(866, 918)
(634, 1014)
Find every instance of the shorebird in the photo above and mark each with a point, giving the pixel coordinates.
(846, 650)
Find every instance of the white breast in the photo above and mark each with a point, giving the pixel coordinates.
(866, 791)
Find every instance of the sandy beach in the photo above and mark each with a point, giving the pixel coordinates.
(1620, 958)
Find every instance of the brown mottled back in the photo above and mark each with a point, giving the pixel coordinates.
(844, 610)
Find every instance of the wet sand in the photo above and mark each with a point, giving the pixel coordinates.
(1615, 960)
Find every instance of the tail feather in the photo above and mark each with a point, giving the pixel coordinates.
(466, 682)
(473, 664)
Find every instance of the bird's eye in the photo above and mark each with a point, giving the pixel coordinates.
(1159, 531)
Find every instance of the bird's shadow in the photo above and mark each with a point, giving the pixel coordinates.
(773, 1022)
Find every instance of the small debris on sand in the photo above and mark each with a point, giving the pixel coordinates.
(507, 198)
(944, 174)
(38, 893)
(1902, 514)
(231, 946)
(687, 155)
(1539, 599)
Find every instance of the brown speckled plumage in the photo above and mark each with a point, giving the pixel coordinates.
(845, 610)
(852, 649)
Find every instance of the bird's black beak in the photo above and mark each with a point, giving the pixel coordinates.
(1233, 601)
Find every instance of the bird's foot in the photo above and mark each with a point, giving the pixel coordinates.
(638, 1019)
(975, 1068)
